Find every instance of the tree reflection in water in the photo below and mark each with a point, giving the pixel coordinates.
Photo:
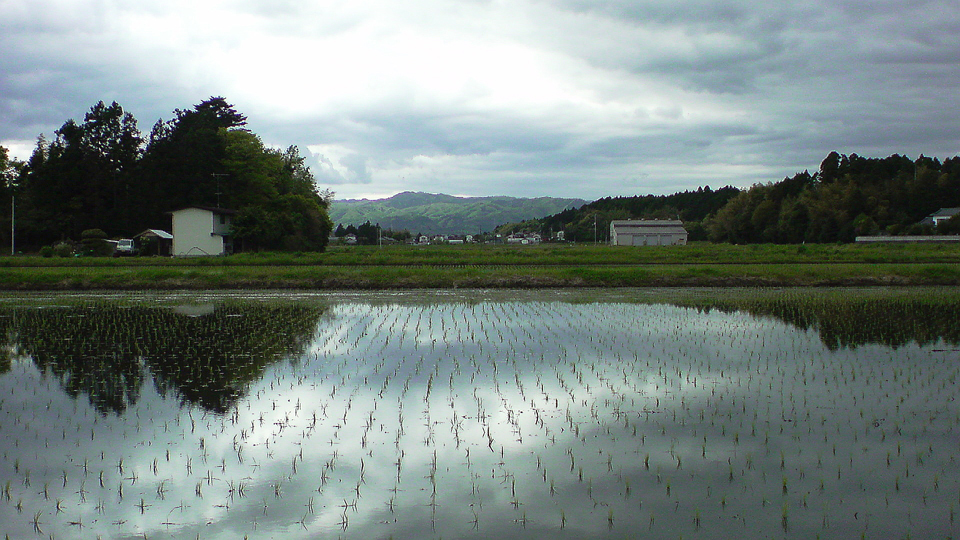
(206, 354)
(893, 318)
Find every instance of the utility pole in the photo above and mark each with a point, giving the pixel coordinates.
(11, 186)
(217, 177)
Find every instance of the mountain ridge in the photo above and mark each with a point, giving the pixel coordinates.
(438, 213)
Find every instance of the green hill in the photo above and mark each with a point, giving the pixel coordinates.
(430, 213)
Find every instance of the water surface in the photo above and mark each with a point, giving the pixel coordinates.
(566, 414)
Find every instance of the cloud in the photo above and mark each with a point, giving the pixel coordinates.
(337, 165)
(567, 98)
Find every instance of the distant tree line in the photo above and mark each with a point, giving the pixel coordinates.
(847, 197)
(102, 173)
(592, 221)
(370, 234)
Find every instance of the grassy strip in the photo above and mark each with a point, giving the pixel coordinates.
(411, 277)
(547, 254)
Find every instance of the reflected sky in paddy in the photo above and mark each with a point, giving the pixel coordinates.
(473, 415)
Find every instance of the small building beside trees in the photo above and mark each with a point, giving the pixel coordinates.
(154, 242)
(647, 232)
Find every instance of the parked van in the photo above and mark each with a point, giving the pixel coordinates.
(125, 246)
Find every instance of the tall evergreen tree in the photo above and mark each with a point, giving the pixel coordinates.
(183, 162)
(84, 178)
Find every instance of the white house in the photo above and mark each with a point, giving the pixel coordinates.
(202, 230)
(647, 232)
(524, 238)
(940, 216)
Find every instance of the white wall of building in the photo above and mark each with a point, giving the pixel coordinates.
(647, 233)
(198, 232)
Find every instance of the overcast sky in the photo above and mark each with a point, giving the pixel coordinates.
(566, 98)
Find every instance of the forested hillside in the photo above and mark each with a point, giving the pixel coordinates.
(848, 196)
(103, 174)
(430, 213)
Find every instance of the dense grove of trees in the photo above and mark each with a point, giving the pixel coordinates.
(103, 174)
(369, 234)
(847, 197)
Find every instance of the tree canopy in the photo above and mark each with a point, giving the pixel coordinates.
(849, 196)
(102, 173)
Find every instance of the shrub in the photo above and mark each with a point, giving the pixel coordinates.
(950, 226)
(95, 243)
(63, 249)
(46, 251)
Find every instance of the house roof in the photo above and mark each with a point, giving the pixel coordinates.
(647, 226)
(945, 212)
(213, 209)
(645, 222)
(653, 230)
(157, 233)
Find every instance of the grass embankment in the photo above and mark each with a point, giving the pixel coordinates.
(402, 267)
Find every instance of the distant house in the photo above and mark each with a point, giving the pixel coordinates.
(524, 238)
(940, 216)
(202, 230)
(647, 232)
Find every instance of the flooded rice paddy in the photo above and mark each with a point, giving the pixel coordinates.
(588, 414)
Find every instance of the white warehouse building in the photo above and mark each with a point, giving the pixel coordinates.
(647, 232)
